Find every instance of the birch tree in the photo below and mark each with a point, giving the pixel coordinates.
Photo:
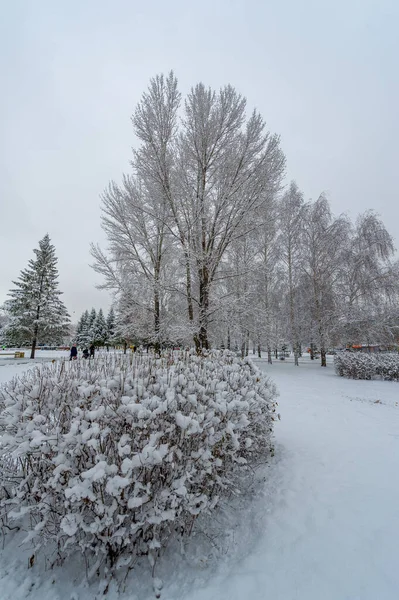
(291, 213)
(268, 279)
(368, 283)
(324, 241)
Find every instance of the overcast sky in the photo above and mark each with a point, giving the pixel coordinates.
(324, 74)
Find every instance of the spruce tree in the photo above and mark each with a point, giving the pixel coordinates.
(110, 327)
(82, 336)
(35, 307)
(100, 329)
(90, 324)
(78, 330)
(4, 321)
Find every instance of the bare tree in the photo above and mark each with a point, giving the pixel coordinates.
(291, 215)
(368, 283)
(324, 242)
(215, 170)
(135, 220)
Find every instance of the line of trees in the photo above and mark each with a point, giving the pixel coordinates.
(206, 246)
(94, 328)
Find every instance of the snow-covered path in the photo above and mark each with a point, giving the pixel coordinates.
(333, 529)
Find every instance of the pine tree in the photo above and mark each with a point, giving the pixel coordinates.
(110, 327)
(99, 329)
(35, 307)
(4, 321)
(90, 324)
(82, 335)
(78, 329)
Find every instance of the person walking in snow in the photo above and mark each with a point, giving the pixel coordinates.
(92, 349)
(74, 353)
(85, 353)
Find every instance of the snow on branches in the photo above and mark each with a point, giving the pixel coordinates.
(113, 457)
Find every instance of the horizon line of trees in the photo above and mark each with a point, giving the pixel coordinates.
(94, 328)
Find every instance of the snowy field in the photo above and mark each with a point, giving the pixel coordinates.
(10, 366)
(333, 526)
(326, 527)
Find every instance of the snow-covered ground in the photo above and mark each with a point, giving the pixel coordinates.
(10, 366)
(326, 525)
(333, 526)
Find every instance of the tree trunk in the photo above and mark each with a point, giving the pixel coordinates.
(36, 330)
(203, 308)
(228, 339)
(323, 355)
(124, 347)
(259, 351)
(322, 347)
(190, 308)
(311, 351)
(247, 344)
(33, 348)
(296, 355)
(157, 310)
(269, 355)
(294, 333)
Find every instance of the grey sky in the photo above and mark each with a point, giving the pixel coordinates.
(324, 74)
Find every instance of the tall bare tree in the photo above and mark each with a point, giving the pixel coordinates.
(216, 169)
(135, 220)
(324, 242)
(291, 219)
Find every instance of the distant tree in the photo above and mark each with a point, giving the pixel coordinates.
(82, 336)
(4, 321)
(111, 325)
(291, 215)
(100, 329)
(78, 329)
(368, 284)
(35, 307)
(90, 324)
(324, 242)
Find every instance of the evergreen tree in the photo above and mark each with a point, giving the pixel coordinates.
(100, 329)
(35, 307)
(90, 324)
(4, 320)
(111, 327)
(82, 336)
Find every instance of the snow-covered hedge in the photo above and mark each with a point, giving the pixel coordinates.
(115, 455)
(357, 365)
(388, 366)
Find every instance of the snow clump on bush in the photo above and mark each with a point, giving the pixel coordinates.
(115, 455)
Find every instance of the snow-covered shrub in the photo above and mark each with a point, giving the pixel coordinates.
(356, 365)
(113, 456)
(388, 366)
